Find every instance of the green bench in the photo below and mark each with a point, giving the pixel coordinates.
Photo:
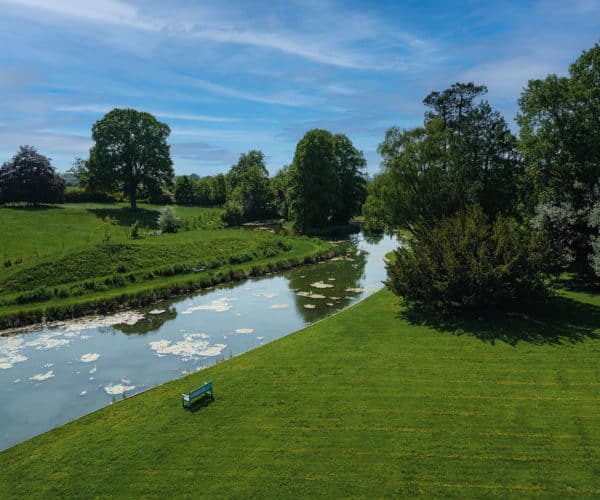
(188, 400)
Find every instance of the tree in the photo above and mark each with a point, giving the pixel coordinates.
(313, 180)
(467, 262)
(559, 130)
(184, 190)
(351, 179)
(279, 185)
(464, 154)
(130, 153)
(249, 193)
(30, 177)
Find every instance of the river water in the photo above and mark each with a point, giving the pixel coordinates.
(55, 374)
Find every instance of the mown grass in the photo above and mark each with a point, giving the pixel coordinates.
(109, 270)
(371, 402)
(32, 233)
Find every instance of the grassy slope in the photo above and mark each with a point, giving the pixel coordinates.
(365, 403)
(29, 234)
(86, 271)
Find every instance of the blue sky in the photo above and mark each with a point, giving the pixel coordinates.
(232, 76)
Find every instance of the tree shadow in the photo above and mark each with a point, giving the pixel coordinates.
(577, 283)
(559, 321)
(126, 217)
(31, 208)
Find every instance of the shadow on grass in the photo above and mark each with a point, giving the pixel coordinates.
(31, 208)
(577, 283)
(560, 320)
(201, 403)
(126, 217)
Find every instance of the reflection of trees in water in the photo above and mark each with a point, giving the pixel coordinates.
(151, 322)
(373, 238)
(347, 274)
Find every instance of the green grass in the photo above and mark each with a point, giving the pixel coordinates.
(29, 234)
(97, 267)
(371, 402)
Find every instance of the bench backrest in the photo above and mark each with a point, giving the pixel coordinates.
(207, 387)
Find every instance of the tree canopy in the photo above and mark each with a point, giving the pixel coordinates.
(130, 154)
(326, 181)
(464, 154)
(30, 177)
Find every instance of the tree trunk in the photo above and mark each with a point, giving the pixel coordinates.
(132, 199)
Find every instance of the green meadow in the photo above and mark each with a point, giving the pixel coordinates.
(371, 402)
(69, 260)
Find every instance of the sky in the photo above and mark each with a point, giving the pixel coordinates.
(232, 76)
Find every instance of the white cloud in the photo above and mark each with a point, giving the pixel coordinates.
(102, 109)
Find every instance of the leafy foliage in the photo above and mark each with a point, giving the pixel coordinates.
(30, 177)
(326, 181)
(464, 154)
(130, 154)
(465, 261)
(168, 220)
(559, 141)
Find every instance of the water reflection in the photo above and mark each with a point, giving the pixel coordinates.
(153, 320)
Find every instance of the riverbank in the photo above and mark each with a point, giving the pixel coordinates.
(370, 402)
(91, 277)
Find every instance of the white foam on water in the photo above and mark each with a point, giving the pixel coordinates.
(89, 357)
(280, 306)
(330, 279)
(330, 304)
(42, 376)
(267, 295)
(118, 389)
(310, 295)
(309, 306)
(192, 346)
(244, 330)
(93, 370)
(259, 338)
(49, 340)
(217, 305)
(320, 284)
(48, 365)
(157, 311)
(123, 318)
(16, 381)
(9, 352)
(83, 393)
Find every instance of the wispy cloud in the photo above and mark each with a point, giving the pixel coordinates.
(103, 109)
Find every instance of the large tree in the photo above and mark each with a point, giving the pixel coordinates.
(560, 130)
(326, 182)
(249, 190)
(351, 179)
(30, 177)
(464, 154)
(130, 154)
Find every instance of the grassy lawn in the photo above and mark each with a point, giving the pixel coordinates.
(371, 402)
(72, 263)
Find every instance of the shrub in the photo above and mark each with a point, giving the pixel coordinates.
(168, 220)
(135, 230)
(234, 214)
(81, 195)
(467, 262)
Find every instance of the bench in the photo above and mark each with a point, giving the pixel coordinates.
(189, 399)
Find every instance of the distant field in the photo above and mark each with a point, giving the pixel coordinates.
(58, 229)
(368, 403)
(66, 261)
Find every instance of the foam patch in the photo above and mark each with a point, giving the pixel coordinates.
(42, 376)
(192, 346)
(89, 357)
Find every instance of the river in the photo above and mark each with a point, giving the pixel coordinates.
(51, 375)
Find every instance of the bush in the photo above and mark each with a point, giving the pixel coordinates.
(168, 220)
(467, 262)
(234, 214)
(81, 195)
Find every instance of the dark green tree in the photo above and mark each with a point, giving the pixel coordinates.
(559, 130)
(130, 154)
(30, 177)
(351, 179)
(248, 189)
(184, 190)
(463, 155)
(313, 183)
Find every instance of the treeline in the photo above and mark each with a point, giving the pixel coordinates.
(493, 215)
